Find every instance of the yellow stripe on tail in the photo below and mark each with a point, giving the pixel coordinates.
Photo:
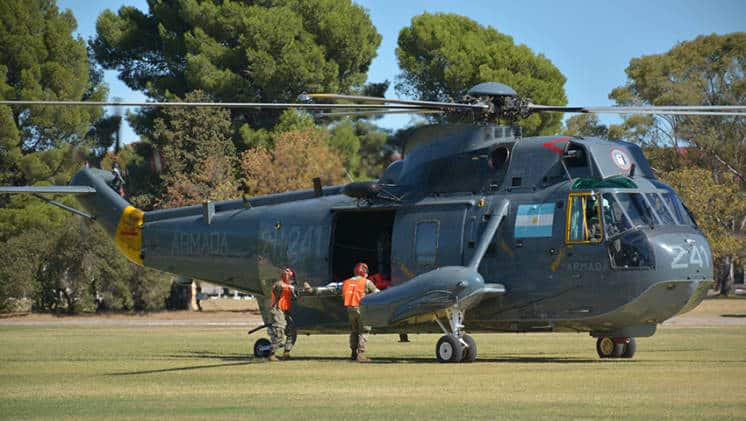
(128, 237)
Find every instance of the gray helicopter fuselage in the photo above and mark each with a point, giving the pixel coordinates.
(639, 270)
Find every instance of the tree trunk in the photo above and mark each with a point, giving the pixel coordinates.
(729, 277)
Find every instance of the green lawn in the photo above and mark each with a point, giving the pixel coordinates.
(177, 372)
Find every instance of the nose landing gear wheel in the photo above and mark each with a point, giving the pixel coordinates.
(470, 352)
(262, 348)
(630, 348)
(608, 348)
(448, 349)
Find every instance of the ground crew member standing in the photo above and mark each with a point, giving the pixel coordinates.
(353, 290)
(283, 327)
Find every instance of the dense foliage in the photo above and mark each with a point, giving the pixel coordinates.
(443, 55)
(262, 51)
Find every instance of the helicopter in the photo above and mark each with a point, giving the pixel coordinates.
(477, 227)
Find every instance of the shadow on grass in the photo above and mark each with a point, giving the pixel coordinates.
(175, 369)
(395, 360)
(238, 360)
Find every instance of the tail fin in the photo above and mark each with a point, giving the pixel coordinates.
(122, 221)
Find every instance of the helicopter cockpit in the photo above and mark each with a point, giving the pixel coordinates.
(622, 218)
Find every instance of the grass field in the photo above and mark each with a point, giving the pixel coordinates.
(125, 372)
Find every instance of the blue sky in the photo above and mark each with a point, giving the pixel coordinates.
(591, 42)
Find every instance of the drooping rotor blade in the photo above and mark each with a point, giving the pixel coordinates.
(378, 112)
(257, 105)
(425, 104)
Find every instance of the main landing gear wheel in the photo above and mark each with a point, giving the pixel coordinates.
(609, 348)
(262, 348)
(470, 351)
(449, 349)
(630, 348)
(455, 346)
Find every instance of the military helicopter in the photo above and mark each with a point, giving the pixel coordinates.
(477, 227)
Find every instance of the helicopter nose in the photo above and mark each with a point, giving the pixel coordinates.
(683, 256)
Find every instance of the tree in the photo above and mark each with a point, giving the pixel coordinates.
(297, 158)
(708, 70)
(41, 60)
(195, 144)
(443, 55)
(258, 51)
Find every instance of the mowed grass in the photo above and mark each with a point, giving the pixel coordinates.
(181, 373)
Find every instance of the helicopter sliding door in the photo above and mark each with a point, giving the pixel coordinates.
(426, 238)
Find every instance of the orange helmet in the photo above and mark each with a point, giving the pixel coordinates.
(287, 274)
(361, 269)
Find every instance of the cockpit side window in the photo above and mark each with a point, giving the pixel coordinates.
(583, 218)
(615, 221)
(637, 208)
(660, 208)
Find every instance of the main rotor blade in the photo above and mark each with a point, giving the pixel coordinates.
(427, 104)
(378, 112)
(665, 109)
(214, 104)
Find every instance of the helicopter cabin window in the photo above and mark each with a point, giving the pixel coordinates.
(426, 242)
(583, 218)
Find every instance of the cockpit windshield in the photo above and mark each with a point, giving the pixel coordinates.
(614, 218)
(660, 208)
(623, 211)
(637, 208)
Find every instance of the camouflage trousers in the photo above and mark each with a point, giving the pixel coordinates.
(358, 332)
(282, 330)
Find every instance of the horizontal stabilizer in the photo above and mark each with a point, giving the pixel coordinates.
(48, 189)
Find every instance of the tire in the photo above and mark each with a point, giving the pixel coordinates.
(607, 348)
(470, 352)
(262, 348)
(630, 348)
(448, 350)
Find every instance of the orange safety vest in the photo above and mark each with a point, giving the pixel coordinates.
(286, 297)
(353, 290)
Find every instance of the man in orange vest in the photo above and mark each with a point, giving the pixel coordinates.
(353, 290)
(283, 327)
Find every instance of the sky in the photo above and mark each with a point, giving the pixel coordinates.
(591, 42)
